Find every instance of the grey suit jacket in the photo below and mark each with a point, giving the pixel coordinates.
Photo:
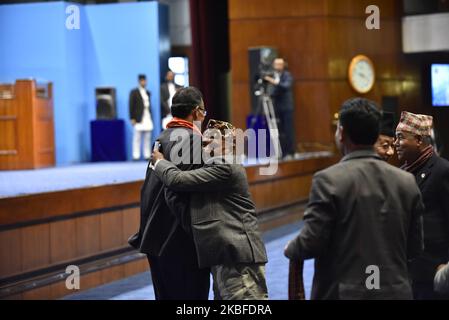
(223, 216)
(362, 212)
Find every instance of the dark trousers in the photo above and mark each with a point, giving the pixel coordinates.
(423, 270)
(424, 291)
(176, 275)
(286, 132)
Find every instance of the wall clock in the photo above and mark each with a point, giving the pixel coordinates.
(361, 74)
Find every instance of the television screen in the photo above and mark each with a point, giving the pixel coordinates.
(440, 85)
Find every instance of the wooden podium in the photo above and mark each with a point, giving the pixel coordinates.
(26, 126)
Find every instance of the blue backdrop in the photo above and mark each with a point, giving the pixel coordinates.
(115, 42)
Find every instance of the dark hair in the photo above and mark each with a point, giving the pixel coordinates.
(184, 101)
(360, 119)
(142, 77)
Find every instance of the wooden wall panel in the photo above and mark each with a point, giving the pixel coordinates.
(90, 280)
(288, 169)
(87, 281)
(135, 267)
(131, 222)
(252, 9)
(269, 195)
(299, 32)
(240, 101)
(113, 274)
(63, 241)
(32, 132)
(88, 235)
(319, 38)
(35, 247)
(356, 8)
(8, 138)
(10, 253)
(312, 116)
(111, 230)
(59, 289)
(301, 41)
(43, 293)
(44, 145)
(54, 204)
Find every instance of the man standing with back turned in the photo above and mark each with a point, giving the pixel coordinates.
(363, 220)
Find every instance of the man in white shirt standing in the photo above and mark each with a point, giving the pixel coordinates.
(141, 120)
(168, 90)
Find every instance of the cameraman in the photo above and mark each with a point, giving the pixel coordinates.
(283, 103)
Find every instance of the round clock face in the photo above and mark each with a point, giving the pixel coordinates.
(361, 74)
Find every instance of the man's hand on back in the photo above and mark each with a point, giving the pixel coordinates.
(156, 155)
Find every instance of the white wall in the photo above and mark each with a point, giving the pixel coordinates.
(180, 29)
(425, 33)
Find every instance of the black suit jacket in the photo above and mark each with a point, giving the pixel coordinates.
(165, 95)
(282, 93)
(136, 105)
(159, 228)
(362, 212)
(433, 181)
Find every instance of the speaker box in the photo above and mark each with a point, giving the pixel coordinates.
(258, 57)
(391, 104)
(105, 103)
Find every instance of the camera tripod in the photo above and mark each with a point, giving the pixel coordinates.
(266, 104)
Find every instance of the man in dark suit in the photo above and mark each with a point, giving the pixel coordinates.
(363, 220)
(163, 236)
(283, 104)
(223, 220)
(141, 118)
(414, 148)
(168, 90)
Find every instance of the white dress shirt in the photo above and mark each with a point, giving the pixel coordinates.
(146, 124)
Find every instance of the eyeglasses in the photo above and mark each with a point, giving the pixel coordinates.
(203, 111)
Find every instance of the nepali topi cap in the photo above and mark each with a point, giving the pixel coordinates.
(418, 124)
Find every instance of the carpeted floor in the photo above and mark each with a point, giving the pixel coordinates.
(139, 287)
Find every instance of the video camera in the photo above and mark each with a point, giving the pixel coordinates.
(261, 85)
(260, 61)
